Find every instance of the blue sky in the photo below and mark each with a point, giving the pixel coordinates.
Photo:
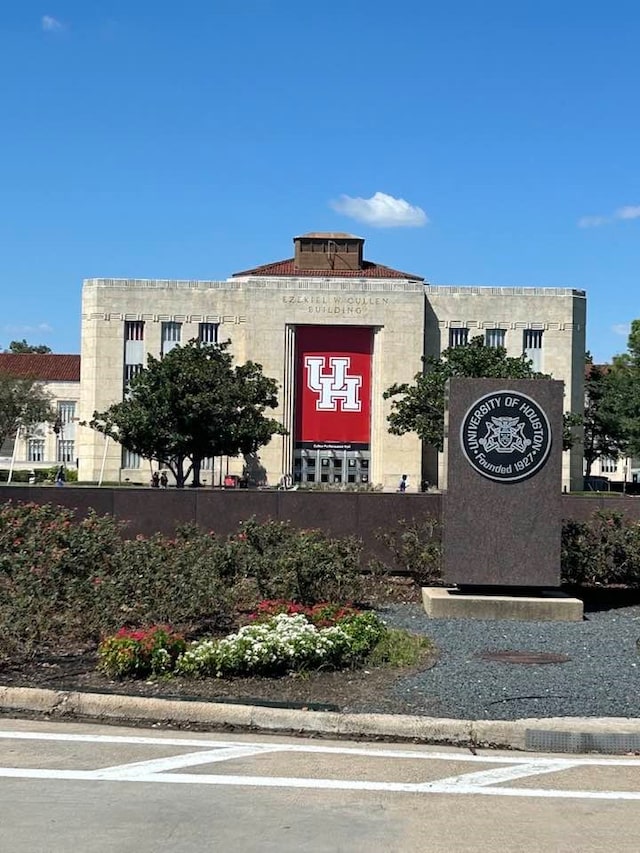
(484, 143)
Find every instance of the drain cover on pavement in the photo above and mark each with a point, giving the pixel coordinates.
(515, 656)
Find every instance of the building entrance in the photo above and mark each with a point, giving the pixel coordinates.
(331, 466)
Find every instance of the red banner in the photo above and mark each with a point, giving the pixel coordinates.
(333, 386)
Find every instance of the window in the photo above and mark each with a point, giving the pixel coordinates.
(206, 464)
(608, 465)
(134, 330)
(129, 459)
(65, 451)
(66, 412)
(208, 333)
(495, 337)
(458, 337)
(35, 450)
(131, 370)
(170, 336)
(133, 349)
(532, 347)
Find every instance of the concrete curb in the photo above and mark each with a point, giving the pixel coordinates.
(559, 734)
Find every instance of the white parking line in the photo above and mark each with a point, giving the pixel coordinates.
(154, 771)
(173, 762)
(314, 784)
(504, 774)
(269, 746)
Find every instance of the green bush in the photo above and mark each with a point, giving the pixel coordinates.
(415, 550)
(71, 580)
(70, 474)
(191, 581)
(47, 561)
(305, 566)
(140, 653)
(604, 550)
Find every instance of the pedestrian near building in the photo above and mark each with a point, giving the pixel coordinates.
(164, 480)
(60, 476)
(155, 480)
(402, 486)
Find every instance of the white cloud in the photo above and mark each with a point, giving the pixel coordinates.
(621, 329)
(591, 221)
(381, 211)
(51, 24)
(15, 329)
(629, 211)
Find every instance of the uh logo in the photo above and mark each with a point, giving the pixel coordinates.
(334, 385)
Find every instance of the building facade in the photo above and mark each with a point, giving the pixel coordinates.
(45, 445)
(335, 331)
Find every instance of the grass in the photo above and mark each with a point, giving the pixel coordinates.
(399, 648)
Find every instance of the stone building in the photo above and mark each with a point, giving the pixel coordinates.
(335, 330)
(45, 445)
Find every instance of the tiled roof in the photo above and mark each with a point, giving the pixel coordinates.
(44, 367)
(289, 269)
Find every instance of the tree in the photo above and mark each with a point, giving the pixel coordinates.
(625, 375)
(605, 432)
(20, 347)
(23, 404)
(420, 407)
(192, 404)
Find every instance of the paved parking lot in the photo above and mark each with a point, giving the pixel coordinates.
(179, 791)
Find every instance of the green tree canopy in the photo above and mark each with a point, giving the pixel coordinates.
(23, 404)
(605, 431)
(625, 377)
(192, 404)
(18, 347)
(419, 407)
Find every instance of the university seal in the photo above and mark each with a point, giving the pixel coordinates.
(506, 436)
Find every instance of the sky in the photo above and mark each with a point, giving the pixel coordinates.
(474, 143)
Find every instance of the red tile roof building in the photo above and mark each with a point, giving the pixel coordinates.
(43, 367)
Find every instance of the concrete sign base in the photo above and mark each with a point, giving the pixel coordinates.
(441, 603)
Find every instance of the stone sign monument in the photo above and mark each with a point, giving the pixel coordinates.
(502, 493)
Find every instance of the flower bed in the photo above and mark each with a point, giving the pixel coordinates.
(273, 644)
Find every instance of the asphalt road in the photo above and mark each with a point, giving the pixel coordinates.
(87, 788)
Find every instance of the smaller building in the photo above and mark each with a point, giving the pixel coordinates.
(45, 445)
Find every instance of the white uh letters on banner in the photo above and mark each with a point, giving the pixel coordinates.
(334, 386)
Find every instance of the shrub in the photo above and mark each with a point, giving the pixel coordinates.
(604, 550)
(141, 652)
(281, 644)
(415, 551)
(47, 560)
(305, 566)
(190, 581)
(321, 615)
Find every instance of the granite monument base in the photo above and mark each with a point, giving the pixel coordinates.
(547, 606)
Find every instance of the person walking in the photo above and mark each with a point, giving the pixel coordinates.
(402, 486)
(60, 476)
(164, 480)
(155, 480)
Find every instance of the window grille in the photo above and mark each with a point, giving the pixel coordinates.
(458, 337)
(495, 337)
(532, 347)
(35, 450)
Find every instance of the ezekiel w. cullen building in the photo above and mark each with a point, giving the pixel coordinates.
(335, 330)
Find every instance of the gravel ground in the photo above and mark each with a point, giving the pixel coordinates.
(602, 679)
